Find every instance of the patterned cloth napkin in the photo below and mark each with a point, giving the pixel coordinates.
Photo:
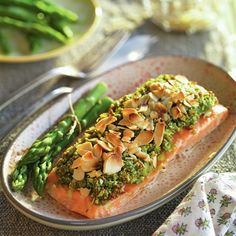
(208, 209)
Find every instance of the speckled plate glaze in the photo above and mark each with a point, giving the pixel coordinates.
(89, 13)
(180, 173)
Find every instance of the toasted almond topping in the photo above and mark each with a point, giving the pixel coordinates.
(132, 147)
(104, 145)
(153, 115)
(153, 97)
(113, 139)
(112, 164)
(84, 192)
(115, 133)
(159, 133)
(154, 161)
(97, 151)
(156, 86)
(77, 163)
(143, 124)
(160, 108)
(103, 123)
(106, 155)
(127, 135)
(126, 112)
(95, 173)
(144, 99)
(144, 138)
(182, 108)
(78, 174)
(90, 162)
(131, 103)
(135, 118)
(176, 112)
(142, 155)
(150, 124)
(178, 96)
(125, 122)
(143, 108)
(84, 147)
(128, 103)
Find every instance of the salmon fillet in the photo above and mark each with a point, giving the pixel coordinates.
(130, 144)
(76, 202)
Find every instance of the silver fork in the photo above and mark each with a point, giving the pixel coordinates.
(96, 56)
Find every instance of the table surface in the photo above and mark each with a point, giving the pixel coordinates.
(148, 40)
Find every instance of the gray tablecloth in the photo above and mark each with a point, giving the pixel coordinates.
(13, 76)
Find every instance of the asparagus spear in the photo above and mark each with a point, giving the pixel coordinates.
(44, 146)
(33, 28)
(62, 27)
(21, 14)
(35, 42)
(45, 7)
(4, 44)
(93, 114)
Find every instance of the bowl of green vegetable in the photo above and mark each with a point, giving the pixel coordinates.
(33, 30)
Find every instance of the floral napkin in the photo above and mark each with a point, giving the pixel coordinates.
(209, 209)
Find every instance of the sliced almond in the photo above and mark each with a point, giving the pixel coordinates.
(160, 108)
(154, 160)
(150, 125)
(97, 151)
(103, 123)
(182, 108)
(90, 162)
(132, 147)
(153, 96)
(115, 133)
(131, 103)
(128, 103)
(94, 173)
(113, 139)
(156, 86)
(143, 124)
(84, 192)
(144, 138)
(176, 112)
(143, 108)
(153, 115)
(159, 133)
(126, 112)
(142, 155)
(104, 145)
(78, 174)
(112, 165)
(136, 118)
(178, 96)
(144, 99)
(84, 147)
(127, 135)
(125, 122)
(77, 163)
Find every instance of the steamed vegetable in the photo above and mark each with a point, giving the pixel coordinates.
(37, 19)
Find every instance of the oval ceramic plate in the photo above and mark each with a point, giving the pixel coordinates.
(180, 172)
(89, 14)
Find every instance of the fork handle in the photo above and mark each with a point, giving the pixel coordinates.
(20, 106)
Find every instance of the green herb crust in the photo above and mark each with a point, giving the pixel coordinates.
(168, 99)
